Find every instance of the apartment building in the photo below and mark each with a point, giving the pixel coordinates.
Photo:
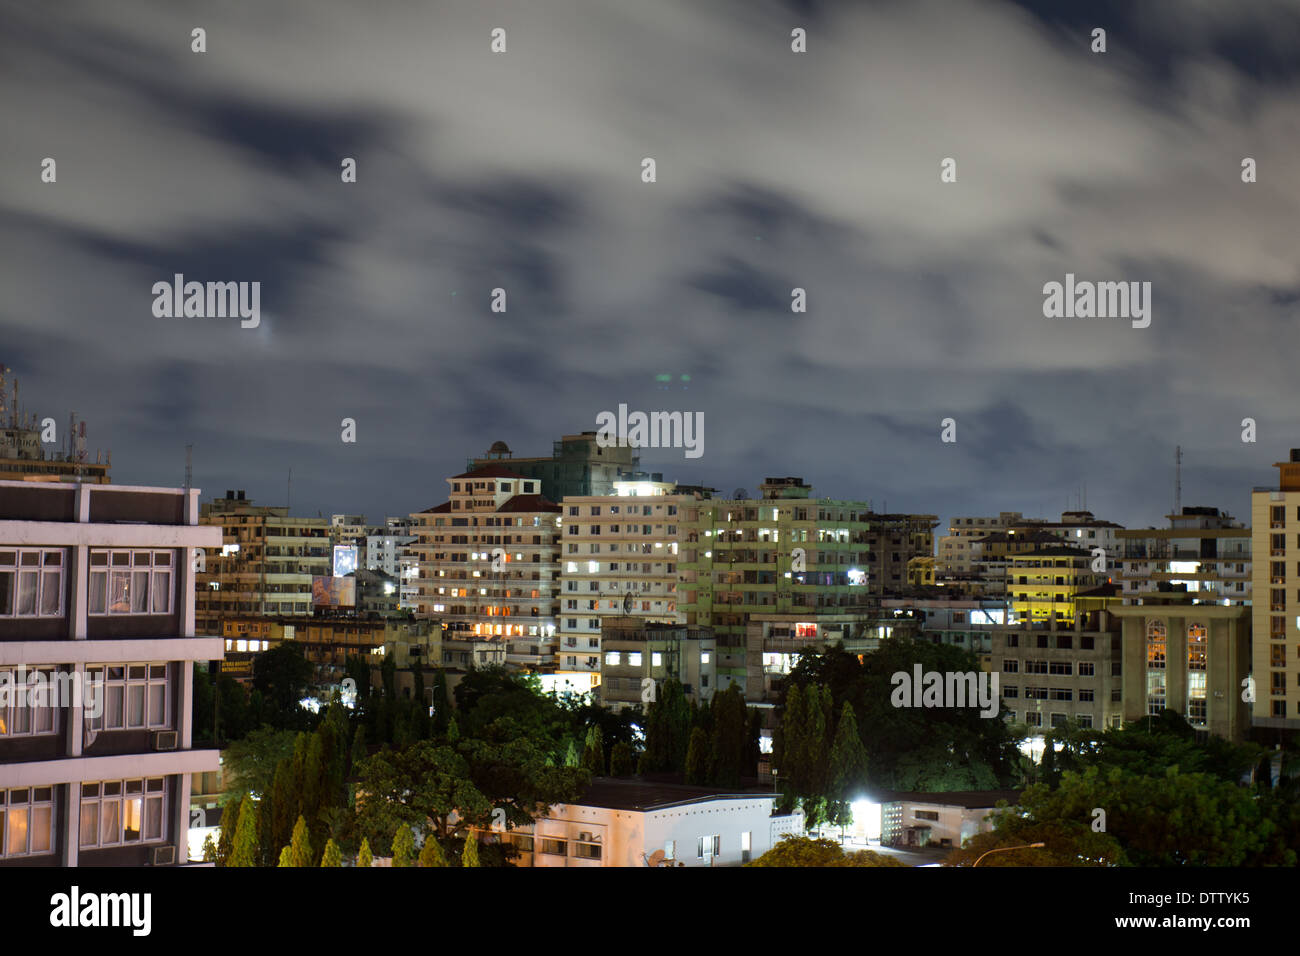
(620, 554)
(790, 553)
(1042, 584)
(1054, 671)
(1203, 554)
(578, 466)
(97, 616)
(1275, 657)
(264, 563)
(975, 550)
(489, 563)
(640, 655)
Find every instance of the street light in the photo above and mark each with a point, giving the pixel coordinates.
(1003, 849)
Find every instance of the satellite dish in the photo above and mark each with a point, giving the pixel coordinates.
(655, 858)
(740, 494)
(627, 603)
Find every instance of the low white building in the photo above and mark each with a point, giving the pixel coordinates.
(624, 822)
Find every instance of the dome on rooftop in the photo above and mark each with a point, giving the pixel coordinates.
(499, 448)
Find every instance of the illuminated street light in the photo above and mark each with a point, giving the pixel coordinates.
(1003, 849)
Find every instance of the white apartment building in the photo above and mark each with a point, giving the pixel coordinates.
(97, 598)
(619, 559)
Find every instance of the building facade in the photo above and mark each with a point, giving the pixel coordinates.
(1275, 657)
(97, 625)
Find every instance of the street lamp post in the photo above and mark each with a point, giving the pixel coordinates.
(1003, 849)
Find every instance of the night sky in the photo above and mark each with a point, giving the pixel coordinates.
(775, 170)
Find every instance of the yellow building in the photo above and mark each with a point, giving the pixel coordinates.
(1043, 584)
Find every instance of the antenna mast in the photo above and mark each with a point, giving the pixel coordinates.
(189, 467)
(1178, 479)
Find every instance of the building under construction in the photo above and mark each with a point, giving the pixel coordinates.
(25, 457)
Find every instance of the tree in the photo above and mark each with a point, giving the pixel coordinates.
(359, 751)
(848, 767)
(281, 676)
(593, 752)
(284, 807)
(250, 764)
(331, 857)
(621, 760)
(803, 851)
(286, 857)
(403, 846)
(209, 850)
(667, 730)
(365, 857)
(728, 737)
(229, 827)
(431, 853)
(469, 856)
(300, 853)
(697, 757)
(246, 851)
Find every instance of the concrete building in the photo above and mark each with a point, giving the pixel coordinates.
(638, 656)
(577, 466)
(790, 553)
(264, 563)
(625, 822)
(936, 819)
(620, 559)
(489, 563)
(1203, 554)
(97, 601)
(1275, 658)
(1042, 583)
(384, 551)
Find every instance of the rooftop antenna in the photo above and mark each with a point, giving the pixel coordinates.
(288, 491)
(189, 467)
(1178, 479)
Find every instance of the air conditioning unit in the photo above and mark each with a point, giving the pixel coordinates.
(164, 740)
(162, 856)
(585, 837)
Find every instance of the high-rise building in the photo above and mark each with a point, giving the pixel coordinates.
(264, 564)
(577, 466)
(1043, 584)
(97, 654)
(489, 564)
(1275, 656)
(619, 561)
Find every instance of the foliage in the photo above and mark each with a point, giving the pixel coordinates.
(805, 851)
(364, 856)
(621, 760)
(697, 757)
(246, 851)
(431, 853)
(403, 846)
(331, 857)
(469, 856)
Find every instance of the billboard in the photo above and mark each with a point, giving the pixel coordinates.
(345, 559)
(333, 591)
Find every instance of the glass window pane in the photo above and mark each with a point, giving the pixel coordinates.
(27, 587)
(51, 592)
(157, 698)
(135, 706)
(113, 708)
(2, 832)
(153, 816)
(110, 821)
(98, 589)
(162, 592)
(118, 585)
(98, 559)
(139, 592)
(137, 672)
(6, 593)
(17, 837)
(41, 819)
(131, 818)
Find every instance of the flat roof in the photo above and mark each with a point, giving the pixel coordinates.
(642, 795)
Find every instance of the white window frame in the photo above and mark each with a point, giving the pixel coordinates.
(115, 716)
(50, 563)
(19, 716)
(119, 795)
(157, 567)
(27, 801)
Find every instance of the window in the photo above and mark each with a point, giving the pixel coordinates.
(554, 847)
(135, 696)
(122, 811)
(656, 659)
(708, 846)
(31, 583)
(29, 704)
(1087, 669)
(612, 658)
(586, 851)
(130, 582)
(26, 822)
(927, 814)
(634, 658)
(1011, 667)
